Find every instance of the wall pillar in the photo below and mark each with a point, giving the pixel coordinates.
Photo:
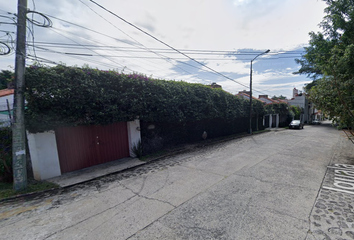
(270, 120)
(277, 121)
(44, 155)
(134, 135)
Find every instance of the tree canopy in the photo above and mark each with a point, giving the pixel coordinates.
(329, 61)
(280, 97)
(6, 77)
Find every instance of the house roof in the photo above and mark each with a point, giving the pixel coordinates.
(6, 92)
(269, 99)
(283, 101)
(248, 96)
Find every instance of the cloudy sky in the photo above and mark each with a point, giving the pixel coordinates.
(223, 35)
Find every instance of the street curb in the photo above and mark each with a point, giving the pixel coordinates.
(199, 145)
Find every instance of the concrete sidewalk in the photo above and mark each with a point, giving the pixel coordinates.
(87, 174)
(332, 216)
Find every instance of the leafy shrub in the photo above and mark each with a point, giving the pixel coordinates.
(137, 149)
(5, 155)
(69, 96)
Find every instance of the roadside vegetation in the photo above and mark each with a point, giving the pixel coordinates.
(6, 185)
(7, 191)
(329, 62)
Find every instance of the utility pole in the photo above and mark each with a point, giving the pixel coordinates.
(18, 127)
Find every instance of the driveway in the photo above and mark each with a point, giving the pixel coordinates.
(258, 187)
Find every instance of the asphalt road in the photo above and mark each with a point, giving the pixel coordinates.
(258, 187)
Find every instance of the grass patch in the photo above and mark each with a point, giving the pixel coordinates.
(146, 158)
(6, 189)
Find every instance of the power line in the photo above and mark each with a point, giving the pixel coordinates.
(143, 46)
(188, 51)
(210, 52)
(149, 57)
(166, 43)
(116, 39)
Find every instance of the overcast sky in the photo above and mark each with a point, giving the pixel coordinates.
(224, 35)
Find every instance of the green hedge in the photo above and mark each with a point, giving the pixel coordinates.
(69, 96)
(5, 155)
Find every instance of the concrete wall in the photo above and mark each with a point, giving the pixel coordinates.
(44, 155)
(134, 135)
(4, 117)
(3, 104)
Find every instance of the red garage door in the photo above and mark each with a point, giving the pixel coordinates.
(84, 146)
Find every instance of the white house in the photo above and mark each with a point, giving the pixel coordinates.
(299, 99)
(6, 104)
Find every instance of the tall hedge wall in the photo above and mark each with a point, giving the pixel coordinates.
(69, 96)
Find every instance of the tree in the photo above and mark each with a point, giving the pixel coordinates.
(329, 61)
(295, 112)
(6, 77)
(280, 97)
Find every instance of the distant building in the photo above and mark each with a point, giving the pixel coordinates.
(267, 100)
(246, 95)
(300, 99)
(6, 104)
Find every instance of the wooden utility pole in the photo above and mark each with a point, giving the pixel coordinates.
(18, 127)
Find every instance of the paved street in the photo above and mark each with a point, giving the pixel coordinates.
(259, 187)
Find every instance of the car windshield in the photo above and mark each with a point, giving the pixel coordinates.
(295, 122)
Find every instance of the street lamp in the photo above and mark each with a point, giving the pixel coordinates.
(250, 131)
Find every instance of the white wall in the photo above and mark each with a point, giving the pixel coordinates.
(302, 102)
(44, 155)
(5, 118)
(134, 135)
(3, 104)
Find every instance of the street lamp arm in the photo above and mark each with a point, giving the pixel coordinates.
(260, 55)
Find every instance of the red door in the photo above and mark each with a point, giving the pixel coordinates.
(84, 146)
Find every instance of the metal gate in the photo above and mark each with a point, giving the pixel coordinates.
(84, 146)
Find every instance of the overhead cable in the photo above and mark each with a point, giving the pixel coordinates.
(166, 43)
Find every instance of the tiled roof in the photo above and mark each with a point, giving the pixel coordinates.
(282, 101)
(248, 96)
(269, 99)
(6, 92)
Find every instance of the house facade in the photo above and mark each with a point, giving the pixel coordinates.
(299, 99)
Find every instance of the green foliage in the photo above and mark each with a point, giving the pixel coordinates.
(280, 97)
(280, 108)
(6, 77)
(69, 96)
(5, 154)
(295, 112)
(329, 60)
(7, 191)
(137, 149)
